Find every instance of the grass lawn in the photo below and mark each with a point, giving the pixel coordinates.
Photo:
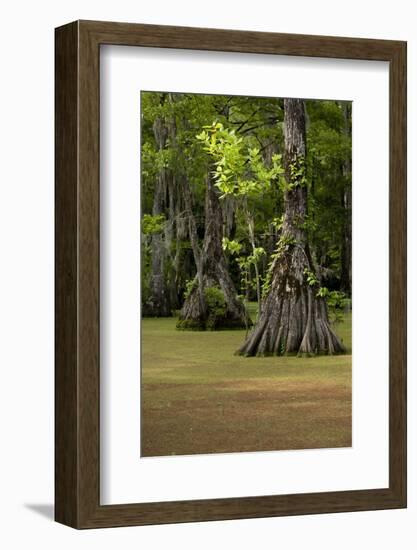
(198, 397)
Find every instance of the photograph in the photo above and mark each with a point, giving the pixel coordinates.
(246, 273)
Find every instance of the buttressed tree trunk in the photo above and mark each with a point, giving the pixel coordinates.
(212, 302)
(294, 318)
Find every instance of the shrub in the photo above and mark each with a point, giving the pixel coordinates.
(216, 305)
(337, 302)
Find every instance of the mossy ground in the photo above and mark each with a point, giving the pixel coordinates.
(199, 397)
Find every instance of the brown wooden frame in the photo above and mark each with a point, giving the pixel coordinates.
(77, 404)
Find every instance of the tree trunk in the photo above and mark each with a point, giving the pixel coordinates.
(294, 318)
(159, 304)
(346, 256)
(212, 302)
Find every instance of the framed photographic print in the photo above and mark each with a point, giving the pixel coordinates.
(230, 274)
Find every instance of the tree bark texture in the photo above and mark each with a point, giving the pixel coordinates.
(346, 256)
(159, 303)
(170, 266)
(294, 318)
(212, 273)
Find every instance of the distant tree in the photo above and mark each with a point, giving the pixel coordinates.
(211, 301)
(329, 173)
(241, 172)
(346, 167)
(158, 302)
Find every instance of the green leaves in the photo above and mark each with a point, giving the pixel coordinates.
(153, 224)
(238, 138)
(234, 247)
(190, 286)
(311, 277)
(216, 305)
(278, 222)
(323, 292)
(337, 301)
(257, 254)
(297, 174)
(239, 169)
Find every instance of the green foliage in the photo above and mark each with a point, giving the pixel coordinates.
(308, 224)
(328, 168)
(285, 241)
(245, 263)
(153, 224)
(266, 284)
(242, 148)
(311, 277)
(277, 222)
(239, 168)
(190, 286)
(337, 303)
(231, 246)
(283, 245)
(216, 305)
(338, 299)
(251, 259)
(323, 292)
(297, 174)
(241, 172)
(145, 272)
(256, 255)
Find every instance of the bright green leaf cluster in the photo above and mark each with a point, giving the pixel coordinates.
(239, 169)
(231, 246)
(297, 174)
(153, 224)
(311, 277)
